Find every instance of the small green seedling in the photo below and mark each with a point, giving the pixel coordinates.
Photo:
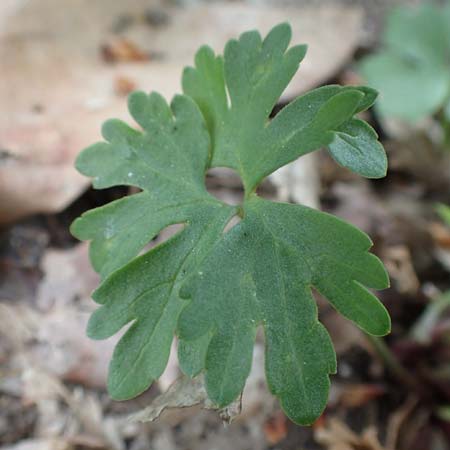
(210, 286)
(412, 69)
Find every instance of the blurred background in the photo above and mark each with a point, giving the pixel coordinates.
(68, 65)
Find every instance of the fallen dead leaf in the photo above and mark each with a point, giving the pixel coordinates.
(187, 392)
(182, 393)
(335, 435)
(355, 395)
(123, 50)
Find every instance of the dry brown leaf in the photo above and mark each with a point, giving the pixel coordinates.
(183, 393)
(122, 50)
(56, 90)
(336, 435)
(186, 392)
(356, 395)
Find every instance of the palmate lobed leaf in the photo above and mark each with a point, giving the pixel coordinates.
(261, 273)
(255, 73)
(412, 70)
(212, 287)
(171, 176)
(145, 292)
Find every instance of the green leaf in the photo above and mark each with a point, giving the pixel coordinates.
(447, 111)
(210, 285)
(409, 90)
(356, 147)
(419, 32)
(444, 212)
(192, 354)
(168, 161)
(412, 70)
(261, 273)
(255, 72)
(145, 292)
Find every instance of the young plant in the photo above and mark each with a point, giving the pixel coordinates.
(211, 287)
(412, 69)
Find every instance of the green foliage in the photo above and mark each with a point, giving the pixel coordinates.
(412, 70)
(444, 212)
(210, 287)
